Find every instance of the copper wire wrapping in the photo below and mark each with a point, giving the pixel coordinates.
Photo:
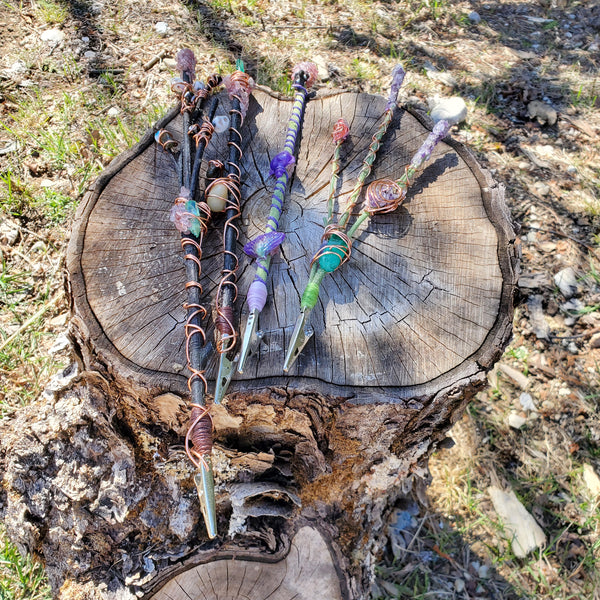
(224, 318)
(198, 440)
(204, 132)
(228, 276)
(331, 248)
(167, 142)
(196, 312)
(383, 196)
(199, 436)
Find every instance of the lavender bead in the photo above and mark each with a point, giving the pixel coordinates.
(257, 296)
(280, 162)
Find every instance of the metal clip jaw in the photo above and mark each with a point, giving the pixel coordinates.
(205, 485)
(224, 376)
(302, 333)
(250, 340)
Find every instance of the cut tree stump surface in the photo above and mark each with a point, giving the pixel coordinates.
(424, 302)
(309, 466)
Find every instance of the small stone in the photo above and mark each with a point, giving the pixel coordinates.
(9, 233)
(520, 528)
(89, 54)
(543, 189)
(453, 110)
(543, 112)
(595, 341)
(17, 67)
(566, 281)
(527, 401)
(113, 111)
(161, 28)
(516, 421)
(322, 67)
(523, 166)
(170, 63)
(85, 39)
(572, 170)
(459, 585)
(591, 480)
(484, 571)
(474, 17)
(442, 76)
(54, 36)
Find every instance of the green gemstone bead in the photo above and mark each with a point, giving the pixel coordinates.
(333, 254)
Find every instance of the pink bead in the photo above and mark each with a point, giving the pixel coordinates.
(257, 296)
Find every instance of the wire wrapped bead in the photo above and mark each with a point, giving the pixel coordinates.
(383, 196)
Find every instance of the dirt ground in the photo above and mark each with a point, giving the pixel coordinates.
(80, 81)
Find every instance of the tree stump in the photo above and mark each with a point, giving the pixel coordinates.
(309, 464)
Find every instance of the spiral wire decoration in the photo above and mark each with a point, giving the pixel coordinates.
(345, 247)
(383, 196)
(198, 440)
(227, 289)
(166, 141)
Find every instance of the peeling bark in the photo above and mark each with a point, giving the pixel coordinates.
(308, 466)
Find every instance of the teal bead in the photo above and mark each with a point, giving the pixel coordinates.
(333, 254)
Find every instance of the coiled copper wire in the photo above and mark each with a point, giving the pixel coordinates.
(333, 248)
(198, 440)
(166, 140)
(204, 132)
(383, 196)
(186, 93)
(224, 319)
(199, 436)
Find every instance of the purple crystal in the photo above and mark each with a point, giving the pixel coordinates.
(397, 79)
(280, 162)
(439, 132)
(311, 71)
(186, 62)
(264, 245)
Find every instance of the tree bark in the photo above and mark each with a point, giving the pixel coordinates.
(308, 465)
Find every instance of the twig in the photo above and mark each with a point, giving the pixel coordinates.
(32, 320)
(162, 54)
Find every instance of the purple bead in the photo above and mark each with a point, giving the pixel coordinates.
(280, 162)
(257, 296)
(264, 245)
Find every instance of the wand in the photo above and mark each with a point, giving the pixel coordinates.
(265, 245)
(239, 88)
(191, 219)
(382, 196)
(336, 246)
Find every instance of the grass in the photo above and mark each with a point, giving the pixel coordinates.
(64, 129)
(21, 578)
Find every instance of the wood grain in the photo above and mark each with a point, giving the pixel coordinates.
(418, 300)
(306, 573)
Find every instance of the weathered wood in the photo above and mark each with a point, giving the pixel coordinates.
(307, 466)
(415, 309)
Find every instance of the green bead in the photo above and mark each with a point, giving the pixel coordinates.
(310, 295)
(333, 254)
